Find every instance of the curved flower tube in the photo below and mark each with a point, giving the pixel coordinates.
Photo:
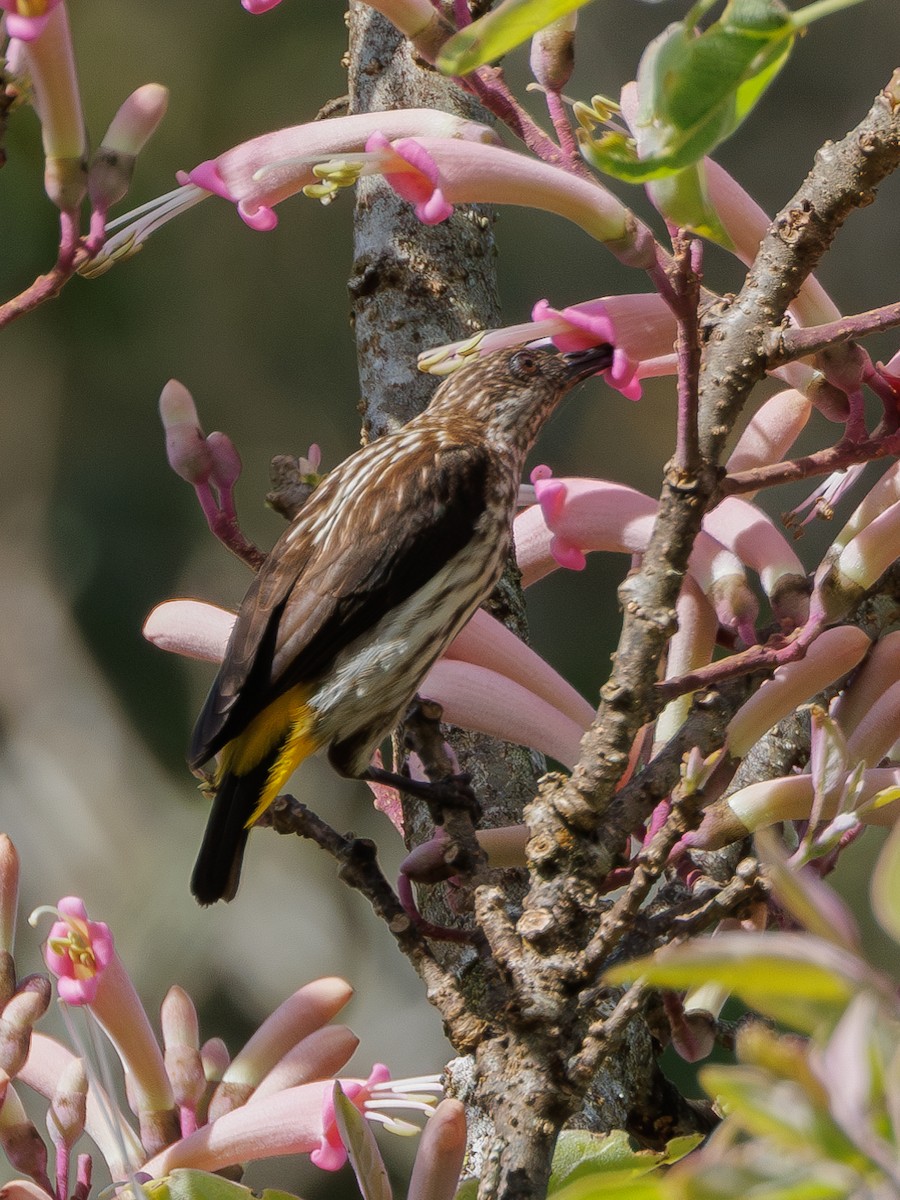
(575, 516)
(690, 648)
(476, 698)
(119, 1145)
(831, 655)
(487, 642)
(880, 671)
(47, 54)
(756, 540)
(789, 798)
(771, 432)
(260, 173)
(490, 174)
(308, 1009)
(640, 328)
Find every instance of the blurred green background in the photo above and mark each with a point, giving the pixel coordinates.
(95, 529)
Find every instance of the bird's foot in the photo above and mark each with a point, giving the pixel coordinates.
(452, 792)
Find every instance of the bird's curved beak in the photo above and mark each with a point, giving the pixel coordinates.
(581, 364)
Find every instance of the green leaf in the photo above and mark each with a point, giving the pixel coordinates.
(780, 1110)
(362, 1149)
(885, 888)
(187, 1184)
(609, 1165)
(797, 979)
(695, 89)
(614, 1187)
(491, 36)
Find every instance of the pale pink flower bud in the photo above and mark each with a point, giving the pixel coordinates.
(9, 894)
(477, 698)
(131, 128)
(319, 1056)
(50, 61)
(21, 1142)
(789, 798)
(877, 731)
(759, 544)
(191, 628)
(68, 1108)
(488, 643)
(187, 450)
(690, 648)
(439, 1159)
(831, 655)
(181, 1040)
(226, 462)
(842, 579)
(878, 673)
(829, 400)
(306, 1010)
(553, 53)
(20, 1014)
(215, 1058)
(771, 432)
(746, 224)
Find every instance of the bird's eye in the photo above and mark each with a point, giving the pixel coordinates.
(524, 364)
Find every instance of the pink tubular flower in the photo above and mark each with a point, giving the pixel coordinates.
(478, 172)
(413, 174)
(48, 58)
(576, 516)
(26, 19)
(260, 173)
(78, 951)
(297, 1120)
(640, 328)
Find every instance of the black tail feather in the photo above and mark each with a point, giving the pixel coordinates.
(217, 871)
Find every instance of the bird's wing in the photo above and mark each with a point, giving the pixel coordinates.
(339, 568)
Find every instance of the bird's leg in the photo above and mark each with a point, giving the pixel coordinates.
(453, 791)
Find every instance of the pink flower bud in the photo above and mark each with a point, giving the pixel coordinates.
(226, 462)
(9, 893)
(131, 128)
(553, 53)
(20, 1014)
(831, 655)
(68, 1108)
(187, 450)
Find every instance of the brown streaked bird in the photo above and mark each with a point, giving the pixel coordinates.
(376, 575)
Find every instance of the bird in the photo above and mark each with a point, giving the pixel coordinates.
(377, 573)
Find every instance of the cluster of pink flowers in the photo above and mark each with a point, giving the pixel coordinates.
(191, 1106)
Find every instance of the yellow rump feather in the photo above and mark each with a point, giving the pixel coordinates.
(290, 720)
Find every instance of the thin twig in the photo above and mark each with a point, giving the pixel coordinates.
(787, 345)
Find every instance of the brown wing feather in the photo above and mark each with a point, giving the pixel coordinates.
(338, 569)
